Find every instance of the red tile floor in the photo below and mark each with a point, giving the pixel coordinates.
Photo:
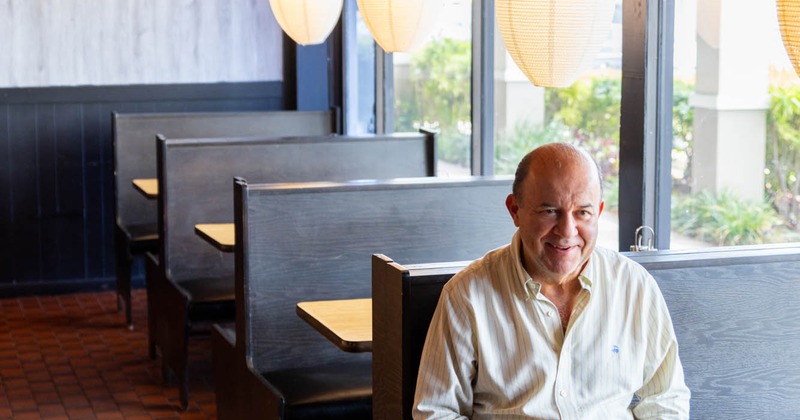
(71, 357)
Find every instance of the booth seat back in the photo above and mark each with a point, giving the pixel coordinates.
(734, 311)
(315, 242)
(134, 136)
(196, 178)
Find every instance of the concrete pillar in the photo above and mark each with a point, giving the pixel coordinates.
(731, 96)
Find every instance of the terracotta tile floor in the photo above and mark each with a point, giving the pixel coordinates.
(70, 357)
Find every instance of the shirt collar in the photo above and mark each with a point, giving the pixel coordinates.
(532, 287)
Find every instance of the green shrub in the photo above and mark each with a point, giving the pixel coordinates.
(682, 134)
(524, 137)
(439, 97)
(724, 219)
(783, 152)
(591, 108)
(585, 114)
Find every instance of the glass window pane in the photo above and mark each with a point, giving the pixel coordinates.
(432, 87)
(359, 77)
(586, 113)
(735, 118)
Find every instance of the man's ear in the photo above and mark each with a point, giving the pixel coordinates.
(513, 208)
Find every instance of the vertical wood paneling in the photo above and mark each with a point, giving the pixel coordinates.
(6, 200)
(25, 232)
(117, 42)
(46, 187)
(93, 178)
(71, 261)
(56, 179)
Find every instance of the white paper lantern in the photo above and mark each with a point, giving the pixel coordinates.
(789, 21)
(553, 41)
(400, 25)
(307, 22)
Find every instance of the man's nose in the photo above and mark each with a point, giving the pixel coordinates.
(566, 226)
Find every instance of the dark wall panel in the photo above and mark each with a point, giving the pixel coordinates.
(56, 174)
(23, 184)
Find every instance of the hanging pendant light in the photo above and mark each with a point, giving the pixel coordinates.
(789, 21)
(400, 25)
(553, 41)
(307, 22)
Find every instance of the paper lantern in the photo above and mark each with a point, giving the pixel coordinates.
(789, 21)
(553, 41)
(307, 22)
(400, 25)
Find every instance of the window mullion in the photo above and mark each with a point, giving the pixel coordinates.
(646, 120)
(482, 141)
(660, 210)
(384, 91)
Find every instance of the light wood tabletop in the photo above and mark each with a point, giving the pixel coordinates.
(221, 235)
(347, 323)
(147, 186)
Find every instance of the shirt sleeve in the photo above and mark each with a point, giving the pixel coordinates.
(664, 394)
(447, 368)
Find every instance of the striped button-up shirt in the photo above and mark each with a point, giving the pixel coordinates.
(496, 347)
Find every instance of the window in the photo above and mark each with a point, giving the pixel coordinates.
(359, 71)
(432, 87)
(696, 136)
(733, 159)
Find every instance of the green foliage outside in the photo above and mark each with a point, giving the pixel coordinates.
(439, 97)
(524, 137)
(783, 153)
(587, 113)
(724, 219)
(682, 135)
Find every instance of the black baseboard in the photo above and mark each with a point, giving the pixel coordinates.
(63, 287)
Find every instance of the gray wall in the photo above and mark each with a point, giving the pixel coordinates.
(123, 42)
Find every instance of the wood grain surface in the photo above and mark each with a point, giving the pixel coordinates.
(119, 42)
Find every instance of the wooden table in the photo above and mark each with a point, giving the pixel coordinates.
(346, 323)
(147, 186)
(221, 235)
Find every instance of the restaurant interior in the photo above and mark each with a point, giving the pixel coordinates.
(231, 209)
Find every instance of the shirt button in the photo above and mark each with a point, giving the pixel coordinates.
(563, 393)
(549, 313)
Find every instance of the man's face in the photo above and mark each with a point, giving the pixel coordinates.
(557, 217)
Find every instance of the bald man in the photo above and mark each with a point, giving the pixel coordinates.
(549, 326)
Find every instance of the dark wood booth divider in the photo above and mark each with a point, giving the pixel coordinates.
(196, 281)
(734, 311)
(285, 368)
(135, 157)
(404, 298)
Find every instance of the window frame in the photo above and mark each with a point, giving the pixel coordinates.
(483, 30)
(645, 182)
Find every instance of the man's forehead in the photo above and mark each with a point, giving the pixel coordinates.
(579, 190)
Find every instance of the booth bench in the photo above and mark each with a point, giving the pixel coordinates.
(193, 281)
(134, 136)
(735, 313)
(314, 242)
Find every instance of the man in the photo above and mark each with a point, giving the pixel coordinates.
(549, 326)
